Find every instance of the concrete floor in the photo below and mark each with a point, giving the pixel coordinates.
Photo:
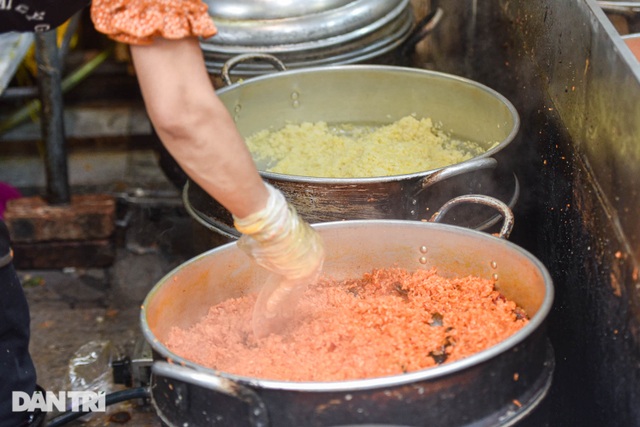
(73, 308)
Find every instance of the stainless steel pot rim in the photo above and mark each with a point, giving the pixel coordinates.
(311, 51)
(361, 69)
(214, 63)
(371, 383)
(217, 225)
(328, 26)
(348, 181)
(270, 9)
(216, 60)
(361, 48)
(294, 57)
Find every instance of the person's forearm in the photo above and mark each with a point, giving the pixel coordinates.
(195, 126)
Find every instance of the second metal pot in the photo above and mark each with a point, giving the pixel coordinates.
(499, 386)
(370, 94)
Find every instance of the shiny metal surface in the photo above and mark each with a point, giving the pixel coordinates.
(620, 6)
(15, 47)
(502, 208)
(329, 25)
(270, 9)
(479, 390)
(373, 95)
(301, 34)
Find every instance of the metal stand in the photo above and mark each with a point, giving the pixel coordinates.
(52, 120)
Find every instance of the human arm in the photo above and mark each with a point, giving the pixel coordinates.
(195, 126)
(198, 131)
(200, 134)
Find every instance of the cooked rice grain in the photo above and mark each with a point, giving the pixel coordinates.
(406, 146)
(387, 322)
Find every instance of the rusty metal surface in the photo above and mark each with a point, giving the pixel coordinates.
(590, 87)
(593, 81)
(576, 87)
(52, 120)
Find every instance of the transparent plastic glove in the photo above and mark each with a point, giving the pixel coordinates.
(283, 243)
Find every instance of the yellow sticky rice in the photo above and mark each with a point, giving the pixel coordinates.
(406, 146)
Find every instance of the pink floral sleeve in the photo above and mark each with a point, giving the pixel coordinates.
(140, 21)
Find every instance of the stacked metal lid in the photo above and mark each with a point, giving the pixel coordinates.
(305, 33)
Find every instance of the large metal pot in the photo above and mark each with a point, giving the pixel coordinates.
(307, 33)
(371, 94)
(499, 386)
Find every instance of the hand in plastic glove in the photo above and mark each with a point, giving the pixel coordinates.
(283, 243)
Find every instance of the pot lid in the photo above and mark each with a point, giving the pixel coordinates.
(310, 32)
(270, 9)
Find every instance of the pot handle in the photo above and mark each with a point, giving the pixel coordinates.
(499, 205)
(257, 414)
(238, 59)
(447, 172)
(213, 225)
(422, 29)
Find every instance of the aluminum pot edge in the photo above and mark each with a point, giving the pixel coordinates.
(522, 276)
(353, 248)
(371, 94)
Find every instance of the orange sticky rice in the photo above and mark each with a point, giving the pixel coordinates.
(387, 322)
